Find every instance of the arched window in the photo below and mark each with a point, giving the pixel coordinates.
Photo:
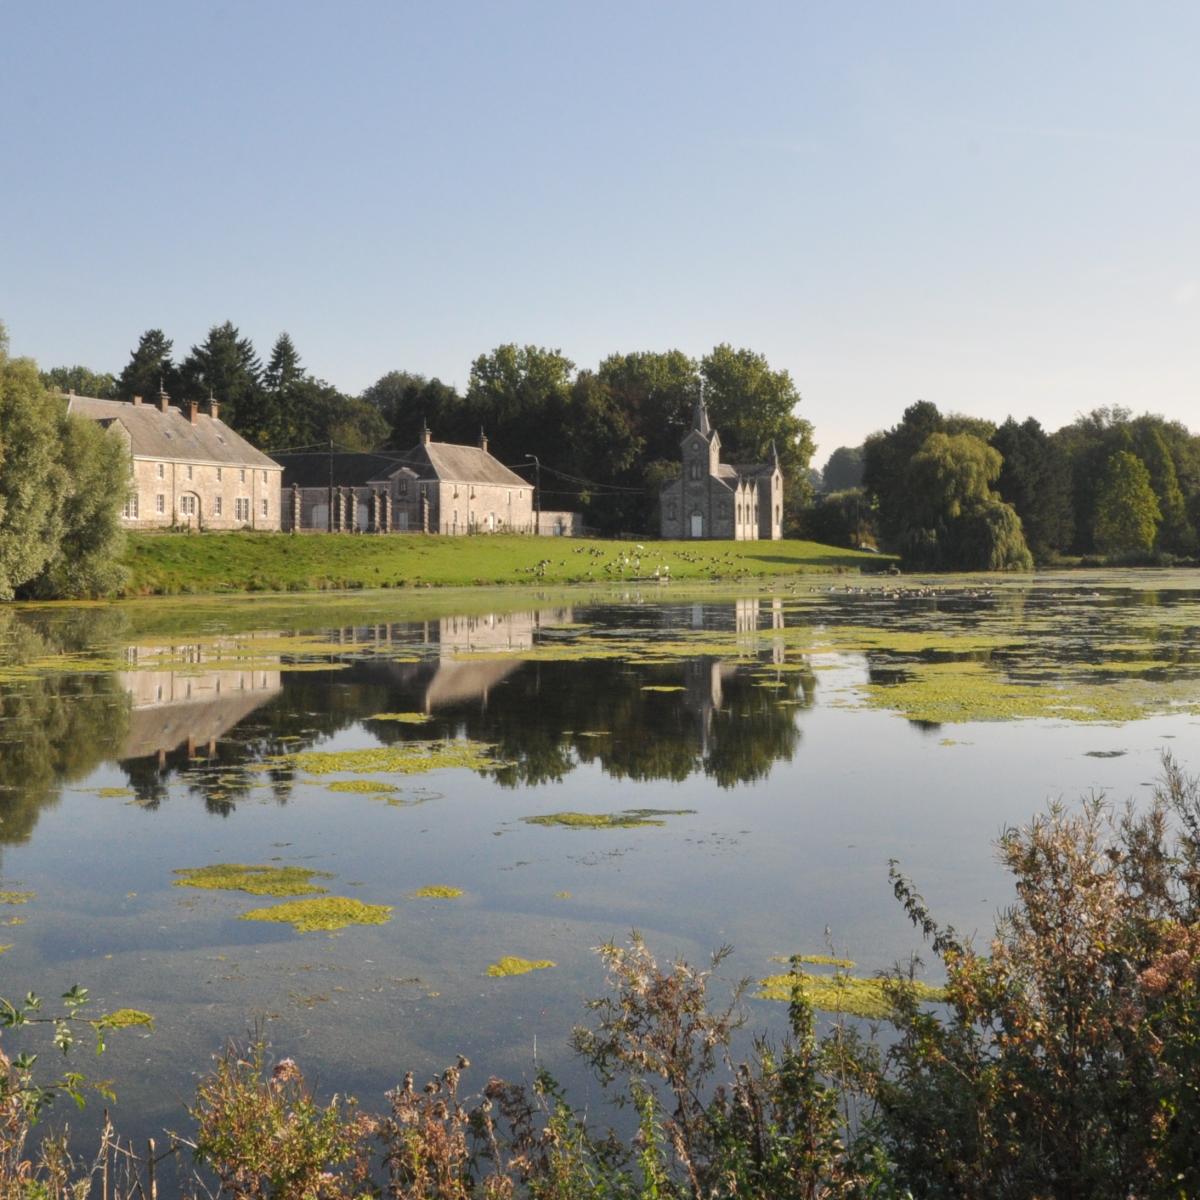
(694, 470)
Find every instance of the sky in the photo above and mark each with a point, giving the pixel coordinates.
(992, 206)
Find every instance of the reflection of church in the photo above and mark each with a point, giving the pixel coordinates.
(191, 708)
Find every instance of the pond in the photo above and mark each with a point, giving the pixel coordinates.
(492, 784)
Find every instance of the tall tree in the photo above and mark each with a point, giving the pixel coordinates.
(886, 458)
(1175, 533)
(409, 403)
(520, 395)
(149, 369)
(844, 470)
(754, 407)
(226, 367)
(1035, 478)
(282, 424)
(81, 381)
(1127, 512)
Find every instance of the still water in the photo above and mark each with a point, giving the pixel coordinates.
(800, 738)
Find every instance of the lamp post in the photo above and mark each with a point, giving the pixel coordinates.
(537, 492)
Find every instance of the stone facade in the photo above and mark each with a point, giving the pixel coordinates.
(187, 469)
(436, 487)
(715, 500)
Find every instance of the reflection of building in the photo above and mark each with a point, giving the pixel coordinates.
(173, 708)
(704, 682)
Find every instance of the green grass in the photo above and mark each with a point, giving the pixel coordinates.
(173, 563)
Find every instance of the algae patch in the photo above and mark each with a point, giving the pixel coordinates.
(630, 818)
(402, 718)
(16, 897)
(125, 1018)
(841, 993)
(510, 965)
(325, 913)
(437, 892)
(408, 758)
(258, 880)
(373, 786)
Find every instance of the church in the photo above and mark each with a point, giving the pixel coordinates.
(713, 500)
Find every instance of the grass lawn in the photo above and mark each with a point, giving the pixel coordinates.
(171, 563)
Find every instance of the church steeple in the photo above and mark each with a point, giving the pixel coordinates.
(700, 422)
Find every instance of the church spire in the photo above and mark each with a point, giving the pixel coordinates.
(700, 414)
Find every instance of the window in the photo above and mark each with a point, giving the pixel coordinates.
(242, 475)
(264, 475)
(472, 491)
(189, 470)
(217, 506)
(739, 513)
(162, 470)
(218, 474)
(694, 470)
(130, 511)
(264, 508)
(402, 487)
(187, 504)
(242, 508)
(160, 503)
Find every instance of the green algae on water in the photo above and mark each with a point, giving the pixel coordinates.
(124, 1018)
(402, 718)
(663, 687)
(842, 993)
(437, 892)
(325, 913)
(16, 897)
(373, 786)
(816, 960)
(630, 818)
(407, 758)
(258, 880)
(510, 965)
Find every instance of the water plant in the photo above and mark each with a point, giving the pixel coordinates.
(842, 993)
(630, 818)
(437, 892)
(402, 718)
(406, 758)
(16, 897)
(326, 913)
(257, 879)
(511, 965)
(372, 786)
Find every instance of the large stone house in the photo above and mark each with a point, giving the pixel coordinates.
(187, 468)
(435, 487)
(712, 499)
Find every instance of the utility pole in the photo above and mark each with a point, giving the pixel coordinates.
(537, 492)
(331, 485)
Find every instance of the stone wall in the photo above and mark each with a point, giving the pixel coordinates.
(202, 496)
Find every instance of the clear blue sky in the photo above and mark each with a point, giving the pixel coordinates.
(993, 206)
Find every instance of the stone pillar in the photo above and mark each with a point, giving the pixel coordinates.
(386, 500)
(339, 523)
(376, 513)
(297, 509)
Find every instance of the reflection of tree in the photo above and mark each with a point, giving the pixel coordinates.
(54, 728)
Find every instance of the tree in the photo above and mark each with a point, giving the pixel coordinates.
(149, 369)
(1175, 533)
(81, 381)
(1127, 512)
(754, 407)
(603, 448)
(521, 396)
(409, 403)
(844, 470)
(886, 457)
(226, 367)
(1035, 478)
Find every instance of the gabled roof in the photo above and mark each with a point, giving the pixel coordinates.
(170, 434)
(311, 468)
(461, 464)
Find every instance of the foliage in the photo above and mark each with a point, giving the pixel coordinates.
(81, 381)
(840, 519)
(1035, 478)
(226, 366)
(1127, 512)
(150, 369)
(843, 470)
(266, 1138)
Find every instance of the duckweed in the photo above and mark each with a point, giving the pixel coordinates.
(631, 818)
(113, 793)
(16, 897)
(663, 687)
(124, 1018)
(403, 718)
(848, 994)
(374, 786)
(816, 960)
(437, 892)
(408, 758)
(326, 913)
(258, 880)
(510, 965)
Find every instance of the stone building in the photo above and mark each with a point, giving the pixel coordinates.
(712, 499)
(187, 468)
(435, 487)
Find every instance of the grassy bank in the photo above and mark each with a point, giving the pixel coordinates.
(169, 563)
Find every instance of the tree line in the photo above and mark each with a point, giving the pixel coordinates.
(607, 437)
(951, 491)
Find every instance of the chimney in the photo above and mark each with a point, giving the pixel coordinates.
(137, 399)
(482, 441)
(164, 401)
(214, 407)
(192, 409)
(426, 436)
